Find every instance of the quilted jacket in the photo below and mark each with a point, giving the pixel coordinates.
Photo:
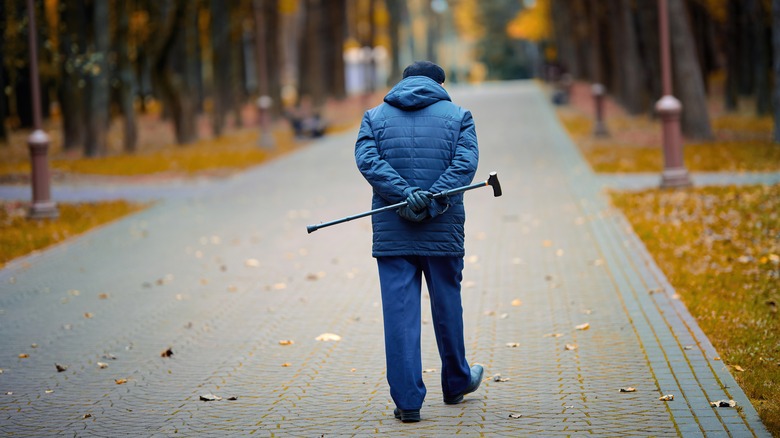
(417, 139)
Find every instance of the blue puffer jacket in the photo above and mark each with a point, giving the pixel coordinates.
(417, 139)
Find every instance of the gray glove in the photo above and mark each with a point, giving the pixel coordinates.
(419, 200)
(407, 213)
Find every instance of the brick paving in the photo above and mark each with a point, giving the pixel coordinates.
(223, 272)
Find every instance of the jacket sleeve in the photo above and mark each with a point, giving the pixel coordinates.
(464, 164)
(383, 178)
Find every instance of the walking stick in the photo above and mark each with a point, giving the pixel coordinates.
(492, 181)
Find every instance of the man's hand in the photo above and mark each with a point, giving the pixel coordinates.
(407, 213)
(419, 200)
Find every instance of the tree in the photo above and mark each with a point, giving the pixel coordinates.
(220, 51)
(776, 65)
(174, 87)
(73, 45)
(688, 79)
(97, 74)
(125, 76)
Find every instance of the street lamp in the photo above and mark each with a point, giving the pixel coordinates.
(38, 142)
(674, 174)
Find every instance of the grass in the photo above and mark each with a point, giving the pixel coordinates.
(720, 249)
(20, 236)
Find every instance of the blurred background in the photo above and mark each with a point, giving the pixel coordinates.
(128, 75)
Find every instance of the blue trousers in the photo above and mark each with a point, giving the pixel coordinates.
(401, 283)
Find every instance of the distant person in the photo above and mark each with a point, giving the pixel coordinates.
(413, 145)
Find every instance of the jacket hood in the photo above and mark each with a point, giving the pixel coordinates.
(416, 92)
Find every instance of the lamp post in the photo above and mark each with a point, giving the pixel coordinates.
(674, 174)
(38, 142)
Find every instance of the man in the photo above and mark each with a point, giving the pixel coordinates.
(413, 145)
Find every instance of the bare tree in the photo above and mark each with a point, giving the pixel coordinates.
(97, 80)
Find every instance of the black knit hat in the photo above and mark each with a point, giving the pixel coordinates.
(425, 68)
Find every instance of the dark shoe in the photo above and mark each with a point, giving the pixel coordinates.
(407, 416)
(476, 379)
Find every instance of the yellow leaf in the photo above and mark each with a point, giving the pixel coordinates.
(286, 342)
(517, 302)
(120, 381)
(584, 326)
(326, 337)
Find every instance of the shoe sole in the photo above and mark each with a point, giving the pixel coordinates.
(407, 417)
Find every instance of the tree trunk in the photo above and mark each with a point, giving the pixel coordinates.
(398, 14)
(71, 90)
(97, 80)
(220, 49)
(562, 29)
(238, 92)
(632, 88)
(172, 85)
(649, 49)
(731, 88)
(776, 65)
(311, 83)
(3, 99)
(127, 82)
(689, 86)
(760, 32)
(335, 84)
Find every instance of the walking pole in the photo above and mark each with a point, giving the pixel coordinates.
(492, 181)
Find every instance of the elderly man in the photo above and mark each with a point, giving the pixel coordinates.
(415, 144)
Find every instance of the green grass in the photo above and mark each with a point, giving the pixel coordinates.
(720, 249)
(20, 236)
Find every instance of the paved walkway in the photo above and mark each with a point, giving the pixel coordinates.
(223, 273)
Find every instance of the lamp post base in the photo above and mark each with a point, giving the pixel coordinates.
(43, 210)
(674, 178)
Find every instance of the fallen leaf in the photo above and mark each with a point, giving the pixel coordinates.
(103, 296)
(74, 292)
(315, 277)
(559, 253)
(517, 303)
(279, 286)
(85, 416)
(252, 263)
(233, 397)
(504, 316)
(667, 397)
(353, 370)
(472, 259)
(210, 397)
(102, 365)
(688, 347)
(33, 345)
(120, 381)
(429, 370)
(88, 315)
(24, 356)
(723, 404)
(716, 358)
(584, 326)
(167, 353)
(232, 288)
(286, 342)
(326, 337)
(9, 393)
(286, 364)
(109, 356)
(489, 313)
(48, 391)
(60, 368)
(498, 378)
(628, 389)
(598, 262)
(553, 335)
(546, 243)
(515, 415)
(739, 368)
(570, 347)
(512, 344)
